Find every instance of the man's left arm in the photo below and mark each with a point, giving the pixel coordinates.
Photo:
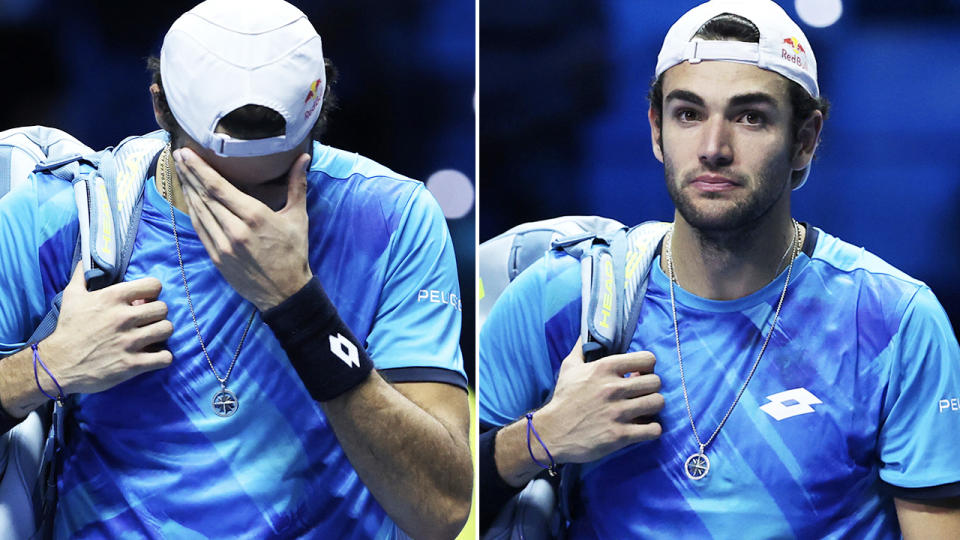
(919, 520)
(920, 429)
(409, 441)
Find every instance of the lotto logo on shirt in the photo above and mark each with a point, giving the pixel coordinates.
(949, 404)
(440, 297)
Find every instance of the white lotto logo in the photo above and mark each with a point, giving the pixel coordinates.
(345, 350)
(440, 297)
(799, 399)
(952, 404)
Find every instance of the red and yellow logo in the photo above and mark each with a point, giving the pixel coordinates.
(794, 54)
(795, 43)
(313, 90)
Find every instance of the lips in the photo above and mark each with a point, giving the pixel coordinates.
(714, 183)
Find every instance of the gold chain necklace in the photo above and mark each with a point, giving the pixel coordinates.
(225, 402)
(697, 465)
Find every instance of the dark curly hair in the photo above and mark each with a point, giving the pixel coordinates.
(249, 121)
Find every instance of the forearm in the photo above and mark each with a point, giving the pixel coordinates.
(18, 387)
(924, 520)
(416, 466)
(512, 458)
(409, 446)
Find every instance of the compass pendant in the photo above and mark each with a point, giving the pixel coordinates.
(697, 466)
(225, 402)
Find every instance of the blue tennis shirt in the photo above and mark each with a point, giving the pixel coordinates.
(149, 458)
(851, 405)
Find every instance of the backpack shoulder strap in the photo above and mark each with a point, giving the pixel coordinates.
(115, 196)
(614, 271)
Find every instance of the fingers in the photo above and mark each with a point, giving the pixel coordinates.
(633, 362)
(641, 407)
(141, 289)
(210, 227)
(297, 186)
(150, 361)
(209, 184)
(640, 385)
(150, 334)
(147, 313)
(634, 433)
(77, 281)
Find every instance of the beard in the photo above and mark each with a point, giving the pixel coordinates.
(718, 212)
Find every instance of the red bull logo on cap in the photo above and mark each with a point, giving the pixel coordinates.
(795, 43)
(313, 90)
(316, 90)
(796, 54)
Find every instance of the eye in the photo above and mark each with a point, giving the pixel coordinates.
(753, 118)
(687, 115)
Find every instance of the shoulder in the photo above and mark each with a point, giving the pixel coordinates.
(851, 274)
(44, 204)
(847, 258)
(340, 168)
(543, 300)
(346, 182)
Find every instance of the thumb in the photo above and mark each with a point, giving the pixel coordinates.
(576, 355)
(77, 281)
(297, 186)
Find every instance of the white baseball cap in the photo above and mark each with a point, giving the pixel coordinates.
(225, 54)
(783, 48)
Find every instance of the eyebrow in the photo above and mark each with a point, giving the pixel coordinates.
(752, 98)
(684, 95)
(735, 101)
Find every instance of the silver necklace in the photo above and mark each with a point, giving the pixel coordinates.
(225, 402)
(697, 465)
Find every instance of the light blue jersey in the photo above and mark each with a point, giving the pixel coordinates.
(852, 403)
(149, 458)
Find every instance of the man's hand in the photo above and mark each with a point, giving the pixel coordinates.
(261, 253)
(595, 410)
(102, 338)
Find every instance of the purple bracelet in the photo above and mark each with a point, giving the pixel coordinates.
(552, 467)
(36, 376)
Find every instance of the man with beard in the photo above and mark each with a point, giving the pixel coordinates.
(780, 382)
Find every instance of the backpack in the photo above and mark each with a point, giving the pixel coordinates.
(615, 265)
(109, 194)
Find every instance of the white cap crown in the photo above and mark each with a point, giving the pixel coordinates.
(225, 54)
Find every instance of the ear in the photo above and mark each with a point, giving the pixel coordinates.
(807, 139)
(655, 134)
(155, 98)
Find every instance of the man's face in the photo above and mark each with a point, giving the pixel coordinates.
(726, 149)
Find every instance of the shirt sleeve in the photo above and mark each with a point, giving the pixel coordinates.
(38, 233)
(416, 331)
(516, 368)
(920, 428)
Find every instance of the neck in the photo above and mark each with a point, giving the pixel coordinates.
(726, 265)
(173, 191)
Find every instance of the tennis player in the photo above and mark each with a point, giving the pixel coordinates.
(271, 366)
(781, 383)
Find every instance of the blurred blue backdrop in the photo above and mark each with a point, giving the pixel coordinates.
(564, 126)
(406, 88)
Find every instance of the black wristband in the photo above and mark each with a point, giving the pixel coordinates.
(494, 491)
(325, 353)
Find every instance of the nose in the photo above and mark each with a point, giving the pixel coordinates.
(716, 149)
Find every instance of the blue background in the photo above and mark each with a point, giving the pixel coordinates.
(564, 123)
(406, 87)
